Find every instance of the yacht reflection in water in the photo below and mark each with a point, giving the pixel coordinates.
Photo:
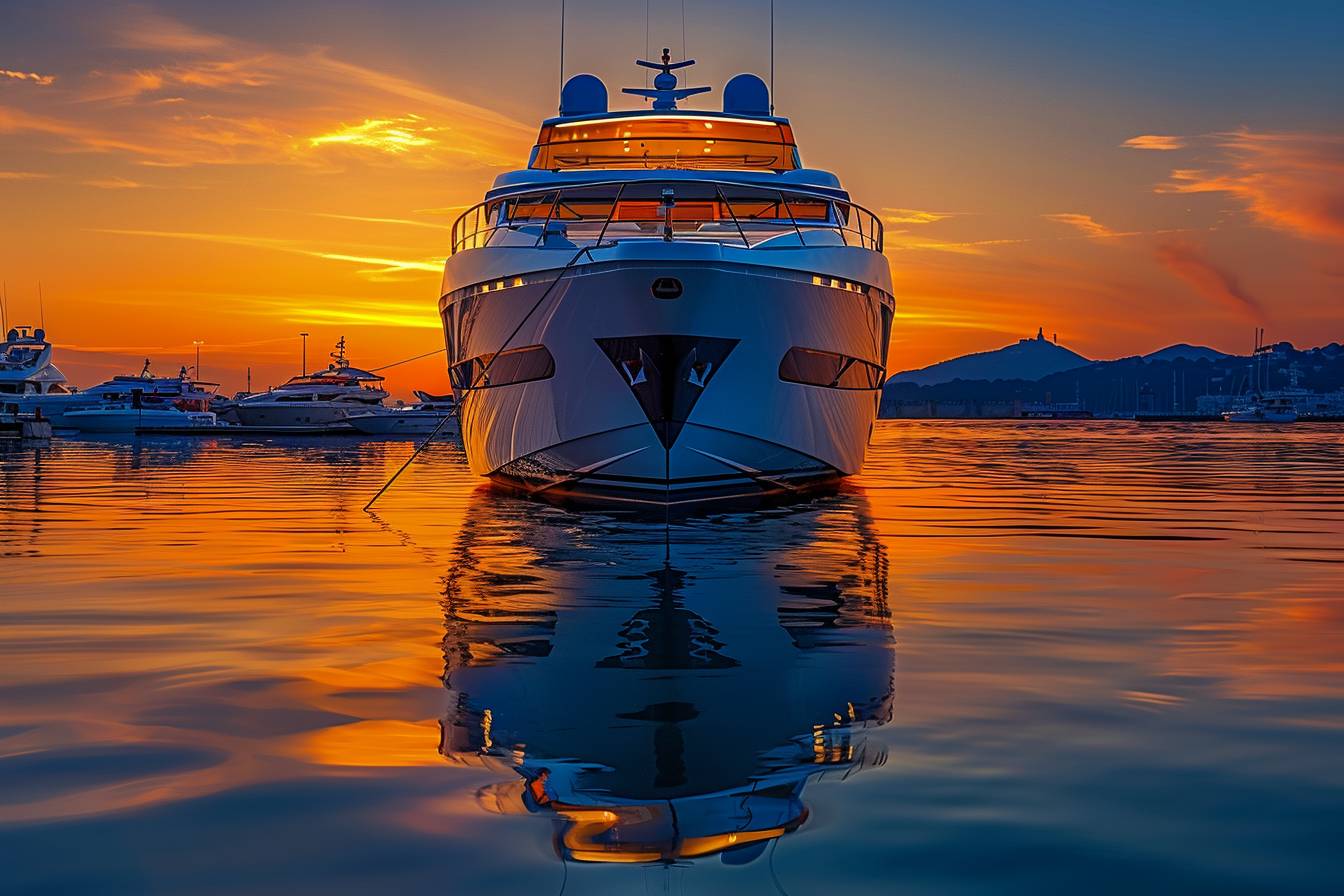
(682, 686)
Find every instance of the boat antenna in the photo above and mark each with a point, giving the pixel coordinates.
(772, 57)
(683, 29)
(4, 307)
(562, 51)
(41, 307)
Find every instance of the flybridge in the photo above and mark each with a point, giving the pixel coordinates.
(744, 136)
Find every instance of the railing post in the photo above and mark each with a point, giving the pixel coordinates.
(785, 203)
(732, 214)
(541, 238)
(611, 215)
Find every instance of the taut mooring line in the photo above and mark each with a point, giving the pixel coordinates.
(455, 411)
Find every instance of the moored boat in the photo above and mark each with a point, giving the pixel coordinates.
(666, 307)
(1264, 409)
(320, 399)
(432, 413)
(140, 404)
(26, 370)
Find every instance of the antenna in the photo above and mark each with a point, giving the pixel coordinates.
(683, 29)
(41, 308)
(665, 93)
(562, 44)
(4, 307)
(772, 57)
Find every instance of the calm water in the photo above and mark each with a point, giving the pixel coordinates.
(1010, 657)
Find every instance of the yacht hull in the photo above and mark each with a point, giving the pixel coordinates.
(657, 400)
(296, 413)
(125, 421)
(393, 423)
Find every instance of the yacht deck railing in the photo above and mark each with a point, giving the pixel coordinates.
(705, 211)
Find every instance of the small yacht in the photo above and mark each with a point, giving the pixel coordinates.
(1265, 409)
(666, 307)
(25, 365)
(422, 418)
(324, 398)
(138, 404)
(180, 392)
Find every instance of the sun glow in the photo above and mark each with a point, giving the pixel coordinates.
(391, 135)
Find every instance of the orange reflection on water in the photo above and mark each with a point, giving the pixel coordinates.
(199, 617)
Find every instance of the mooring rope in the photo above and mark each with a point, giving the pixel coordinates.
(437, 351)
(455, 411)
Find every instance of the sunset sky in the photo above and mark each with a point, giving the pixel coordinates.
(1126, 175)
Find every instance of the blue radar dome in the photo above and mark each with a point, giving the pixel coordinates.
(583, 95)
(746, 95)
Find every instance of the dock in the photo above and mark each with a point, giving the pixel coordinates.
(334, 429)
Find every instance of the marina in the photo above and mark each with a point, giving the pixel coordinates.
(240, 655)
(717, 449)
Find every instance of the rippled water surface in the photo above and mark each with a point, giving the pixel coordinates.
(1009, 658)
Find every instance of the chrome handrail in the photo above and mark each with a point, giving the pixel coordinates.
(481, 231)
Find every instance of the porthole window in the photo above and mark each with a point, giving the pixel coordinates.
(813, 367)
(518, 365)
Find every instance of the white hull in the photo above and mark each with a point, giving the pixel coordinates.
(130, 420)
(585, 433)
(404, 423)
(1261, 417)
(297, 413)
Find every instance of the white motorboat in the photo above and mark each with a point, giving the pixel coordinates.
(324, 398)
(26, 371)
(129, 404)
(1265, 409)
(665, 306)
(424, 417)
(181, 392)
(128, 417)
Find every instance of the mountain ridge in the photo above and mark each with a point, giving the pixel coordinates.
(1026, 359)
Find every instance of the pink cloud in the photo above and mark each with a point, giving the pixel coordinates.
(1292, 182)
(1189, 262)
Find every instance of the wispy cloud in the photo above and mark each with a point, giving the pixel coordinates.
(1085, 224)
(33, 77)
(406, 222)
(23, 175)
(903, 242)
(373, 267)
(173, 95)
(394, 135)
(914, 216)
(1190, 263)
(1159, 142)
(1292, 182)
(113, 183)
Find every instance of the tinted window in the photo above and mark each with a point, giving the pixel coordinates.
(518, 365)
(813, 367)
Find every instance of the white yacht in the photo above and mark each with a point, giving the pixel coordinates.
(181, 393)
(432, 413)
(1265, 409)
(130, 404)
(665, 306)
(25, 366)
(315, 399)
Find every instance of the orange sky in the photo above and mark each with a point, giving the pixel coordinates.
(181, 172)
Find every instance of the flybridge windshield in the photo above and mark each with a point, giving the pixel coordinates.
(666, 141)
